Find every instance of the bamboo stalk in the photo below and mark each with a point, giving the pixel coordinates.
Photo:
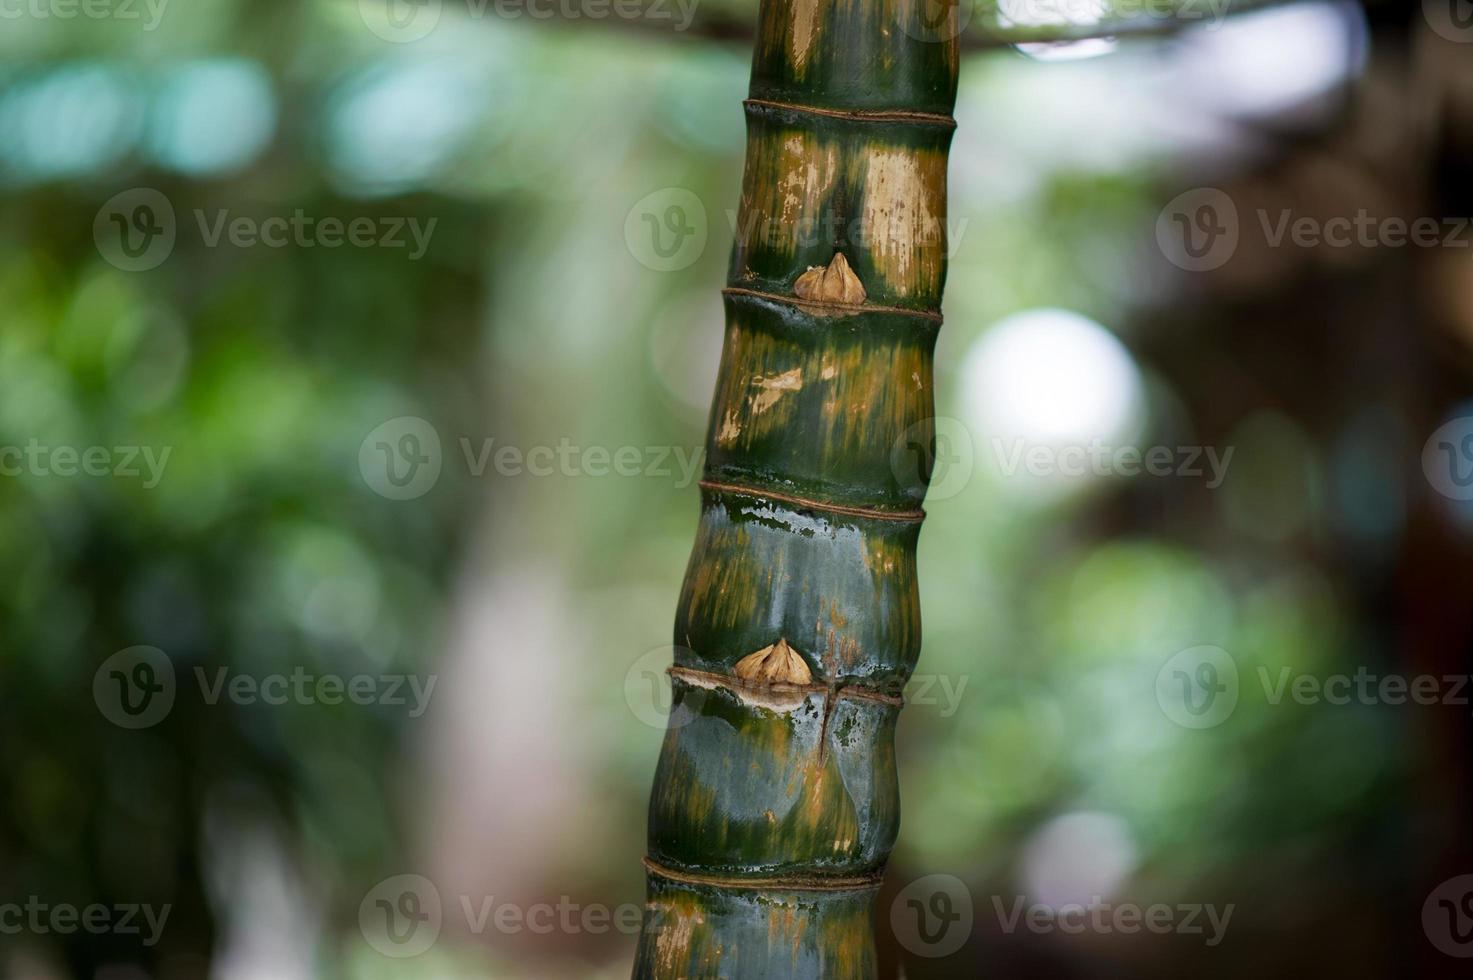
(775, 802)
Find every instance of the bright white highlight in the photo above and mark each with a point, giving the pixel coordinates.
(1078, 858)
(1052, 377)
(1274, 60)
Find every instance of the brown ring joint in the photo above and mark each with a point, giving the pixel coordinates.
(859, 115)
(808, 503)
(804, 883)
(831, 309)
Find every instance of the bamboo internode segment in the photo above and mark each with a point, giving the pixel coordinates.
(819, 184)
(800, 603)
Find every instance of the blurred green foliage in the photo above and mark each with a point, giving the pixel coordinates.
(530, 320)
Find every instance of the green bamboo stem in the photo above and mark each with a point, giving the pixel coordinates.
(776, 802)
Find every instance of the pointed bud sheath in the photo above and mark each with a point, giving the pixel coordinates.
(834, 283)
(777, 664)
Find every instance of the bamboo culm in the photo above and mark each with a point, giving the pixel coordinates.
(776, 802)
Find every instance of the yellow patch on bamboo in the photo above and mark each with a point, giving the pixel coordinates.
(730, 429)
(868, 405)
(801, 34)
(789, 175)
(677, 917)
(723, 588)
(834, 283)
(847, 949)
(785, 926)
(772, 388)
(904, 199)
(775, 664)
(684, 798)
(823, 812)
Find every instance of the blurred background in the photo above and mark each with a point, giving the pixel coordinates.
(351, 397)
